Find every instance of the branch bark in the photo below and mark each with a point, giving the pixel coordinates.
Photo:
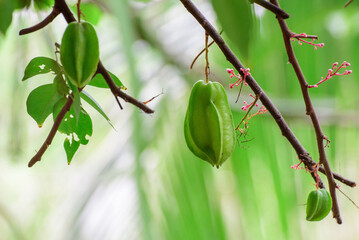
(61, 7)
(52, 133)
(286, 131)
(273, 8)
(311, 112)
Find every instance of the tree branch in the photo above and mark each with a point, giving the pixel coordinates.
(118, 92)
(286, 132)
(54, 13)
(61, 7)
(311, 112)
(273, 8)
(52, 132)
(347, 3)
(66, 12)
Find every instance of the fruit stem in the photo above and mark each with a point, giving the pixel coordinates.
(206, 70)
(78, 11)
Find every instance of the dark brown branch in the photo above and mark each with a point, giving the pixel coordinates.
(286, 132)
(347, 3)
(42, 24)
(231, 57)
(61, 7)
(273, 8)
(293, 35)
(311, 112)
(340, 178)
(66, 12)
(118, 92)
(52, 132)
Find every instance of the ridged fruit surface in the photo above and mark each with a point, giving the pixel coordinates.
(319, 204)
(209, 127)
(79, 53)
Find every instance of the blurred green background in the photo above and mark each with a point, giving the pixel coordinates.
(139, 180)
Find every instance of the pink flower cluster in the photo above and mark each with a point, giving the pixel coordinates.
(245, 108)
(301, 41)
(240, 79)
(333, 72)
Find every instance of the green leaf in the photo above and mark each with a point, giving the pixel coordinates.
(19, 4)
(100, 82)
(41, 65)
(71, 148)
(87, 97)
(41, 101)
(76, 98)
(82, 129)
(237, 20)
(92, 12)
(41, 4)
(60, 85)
(6, 9)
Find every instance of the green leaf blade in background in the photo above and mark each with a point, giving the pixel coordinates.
(43, 4)
(41, 65)
(6, 9)
(100, 82)
(92, 102)
(60, 85)
(92, 12)
(237, 20)
(41, 101)
(19, 4)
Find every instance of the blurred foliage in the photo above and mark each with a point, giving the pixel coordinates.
(141, 181)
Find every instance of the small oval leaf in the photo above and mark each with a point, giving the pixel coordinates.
(41, 101)
(100, 82)
(41, 65)
(70, 148)
(69, 125)
(236, 18)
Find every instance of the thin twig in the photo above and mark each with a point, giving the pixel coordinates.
(199, 54)
(311, 112)
(61, 7)
(152, 98)
(228, 53)
(273, 8)
(248, 111)
(54, 13)
(52, 132)
(78, 10)
(118, 92)
(206, 69)
(349, 2)
(348, 198)
(293, 35)
(66, 12)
